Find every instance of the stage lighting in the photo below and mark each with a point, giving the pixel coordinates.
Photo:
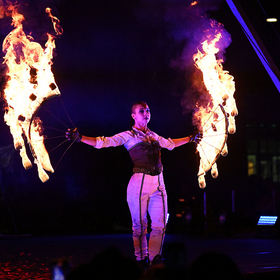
(271, 19)
(267, 220)
(221, 217)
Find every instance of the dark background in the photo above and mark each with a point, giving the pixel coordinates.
(111, 54)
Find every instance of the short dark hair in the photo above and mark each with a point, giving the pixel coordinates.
(143, 103)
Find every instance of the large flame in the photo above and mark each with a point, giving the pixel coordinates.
(218, 117)
(30, 82)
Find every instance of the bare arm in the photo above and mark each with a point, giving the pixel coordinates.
(89, 140)
(192, 138)
(181, 141)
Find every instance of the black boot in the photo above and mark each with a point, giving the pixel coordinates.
(144, 264)
(157, 260)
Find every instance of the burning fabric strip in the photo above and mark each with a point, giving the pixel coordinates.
(217, 119)
(30, 83)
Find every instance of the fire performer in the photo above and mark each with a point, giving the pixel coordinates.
(146, 190)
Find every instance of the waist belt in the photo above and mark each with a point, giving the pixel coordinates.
(147, 171)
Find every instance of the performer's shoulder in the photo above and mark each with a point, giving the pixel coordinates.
(130, 133)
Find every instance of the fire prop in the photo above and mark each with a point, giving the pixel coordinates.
(217, 119)
(30, 83)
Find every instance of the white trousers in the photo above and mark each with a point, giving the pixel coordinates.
(147, 194)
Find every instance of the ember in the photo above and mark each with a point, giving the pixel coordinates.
(24, 270)
(194, 3)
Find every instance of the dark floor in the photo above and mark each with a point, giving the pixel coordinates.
(30, 257)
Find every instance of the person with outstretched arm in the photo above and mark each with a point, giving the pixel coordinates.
(146, 190)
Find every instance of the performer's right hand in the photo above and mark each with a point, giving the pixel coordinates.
(73, 134)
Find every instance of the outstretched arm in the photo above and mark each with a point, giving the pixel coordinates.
(74, 134)
(88, 140)
(181, 141)
(98, 142)
(196, 137)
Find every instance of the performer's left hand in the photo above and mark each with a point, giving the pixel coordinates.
(196, 137)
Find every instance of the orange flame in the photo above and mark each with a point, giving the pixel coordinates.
(30, 82)
(219, 114)
(194, 3)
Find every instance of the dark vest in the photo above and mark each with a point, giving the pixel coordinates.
(146, 158)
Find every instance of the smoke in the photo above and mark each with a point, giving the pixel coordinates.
(187, 24)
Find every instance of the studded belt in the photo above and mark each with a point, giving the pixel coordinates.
(147, 171)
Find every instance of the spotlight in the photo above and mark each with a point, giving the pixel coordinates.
(271, 19)
(267, 220)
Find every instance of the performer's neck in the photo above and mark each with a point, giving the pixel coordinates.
(141, 128)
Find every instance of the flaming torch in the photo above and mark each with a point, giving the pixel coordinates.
(30, 82)
(217, 118)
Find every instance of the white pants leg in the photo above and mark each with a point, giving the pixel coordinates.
(146, 193)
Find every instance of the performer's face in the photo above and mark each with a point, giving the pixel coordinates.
(141, 115)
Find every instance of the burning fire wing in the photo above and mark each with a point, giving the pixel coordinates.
(217, 119)
(30, 83)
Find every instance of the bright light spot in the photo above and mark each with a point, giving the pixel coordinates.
(167, 217)
(194, 3)
(271, 19)
(267, 220)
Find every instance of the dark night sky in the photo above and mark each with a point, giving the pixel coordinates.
(111, 54)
